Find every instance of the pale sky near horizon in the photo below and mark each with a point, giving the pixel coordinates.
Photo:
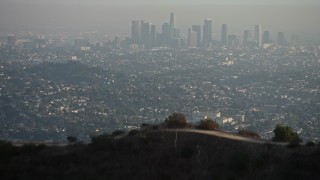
(115, 16)
(132, 2)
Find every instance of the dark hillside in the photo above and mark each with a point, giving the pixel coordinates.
(70, 73)
(161, 155)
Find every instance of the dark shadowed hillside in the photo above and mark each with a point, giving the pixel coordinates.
(160, 155)
(70, 73)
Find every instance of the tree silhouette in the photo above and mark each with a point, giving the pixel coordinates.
(176, 120)
(72, 139)
(208, 124)
(285, 134)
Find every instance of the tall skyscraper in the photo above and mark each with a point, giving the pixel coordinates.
(197, 29)
(281, 40)
(224, 35)
(192, 38)
(207, 32)
(166, 35)
(172, 26)
(145, 34)
(246, 37)
(266, 37)
(232, 41)
(136, 32)
(172, 20)
(153, 35)
(257, 35)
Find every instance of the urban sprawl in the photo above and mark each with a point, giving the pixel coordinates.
(53, 85)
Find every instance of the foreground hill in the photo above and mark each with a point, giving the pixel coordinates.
(160, 154)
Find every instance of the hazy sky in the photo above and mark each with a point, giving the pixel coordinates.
(170, 2)
(115, 16)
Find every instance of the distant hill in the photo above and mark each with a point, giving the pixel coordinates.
(70, 72)
(160, 155)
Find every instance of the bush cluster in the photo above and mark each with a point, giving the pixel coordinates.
(208, 124)
(176, 120)
(285, 134)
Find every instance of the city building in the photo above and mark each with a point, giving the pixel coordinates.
(173, 31)
(145, 34)
(232, 41)
(166, 35)
(136, 32)
(172, 20)
(192, 38)
(257, 35)
(224, 35)
(281, 40)
(197, 29)
(247, 38)
(176, 43)
(266, 37)
(207, 32)
(153, 36)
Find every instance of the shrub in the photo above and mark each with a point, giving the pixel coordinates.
(144, 125)
(176, 120)
(155, 127)
(7, 150)
(29, 148)
(285, 134)
(250, 134)
(72, 139)
(118, 133)
(102, 142)
(208, 124)
(310, 144)
(134, 132)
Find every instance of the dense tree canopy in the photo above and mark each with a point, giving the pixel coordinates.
(208, 124)
(176, 120)
(285, 134)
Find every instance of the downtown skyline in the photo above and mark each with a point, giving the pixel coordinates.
(113, 17)
(201, 35)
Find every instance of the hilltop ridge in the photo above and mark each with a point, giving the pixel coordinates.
(160, 154)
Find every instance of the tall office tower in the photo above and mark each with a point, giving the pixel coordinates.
(207, 32)
(197, 29)
(145, 34)
(257, 35)
(166, 35)
(136, 32)
(176, 43)
(246, 37)
(281, 40)
(266, 37)
(192, 38)
(224, 35)
(172, 26)
(172, 20)
(176, 33)
(153, 36)
(232, 41)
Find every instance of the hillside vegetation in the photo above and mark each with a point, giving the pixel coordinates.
(155, 153)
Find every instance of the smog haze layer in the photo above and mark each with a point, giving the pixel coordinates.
(114, 17)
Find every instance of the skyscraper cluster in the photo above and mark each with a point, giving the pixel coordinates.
(145, 36)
